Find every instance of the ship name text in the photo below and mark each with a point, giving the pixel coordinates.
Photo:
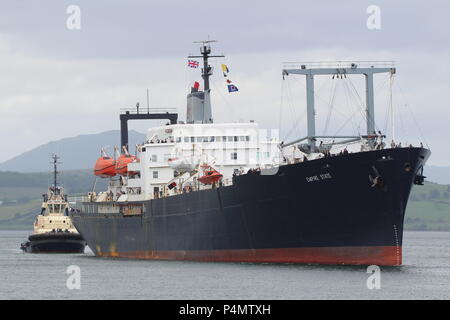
(319, 177)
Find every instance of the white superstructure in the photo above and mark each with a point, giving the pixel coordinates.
(169, 151)
(54, 216)
(193, 155)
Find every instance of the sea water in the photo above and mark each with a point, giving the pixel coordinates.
(425, 274)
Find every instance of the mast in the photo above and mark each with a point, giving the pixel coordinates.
(55, 173)
(200, 111)
(148, 103)
(392, 107)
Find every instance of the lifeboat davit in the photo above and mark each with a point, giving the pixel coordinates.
(122, 164)
(209, 175)
(105, 166)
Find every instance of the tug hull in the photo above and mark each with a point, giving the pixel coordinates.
(54, 242)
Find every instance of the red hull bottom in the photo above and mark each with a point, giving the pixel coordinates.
(377, 255)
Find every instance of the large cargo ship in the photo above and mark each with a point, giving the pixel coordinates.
(205, 191)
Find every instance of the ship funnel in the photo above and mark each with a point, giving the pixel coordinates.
(198, 107)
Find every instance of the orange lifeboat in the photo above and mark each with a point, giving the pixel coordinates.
(122, 163)
(105, 166)
(209, 175)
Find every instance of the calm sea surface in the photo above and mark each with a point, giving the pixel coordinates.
(424, 275)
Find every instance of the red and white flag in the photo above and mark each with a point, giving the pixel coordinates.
(193, 63)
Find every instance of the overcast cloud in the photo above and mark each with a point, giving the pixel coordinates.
(56, 83)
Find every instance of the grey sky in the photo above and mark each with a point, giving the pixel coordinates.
(56, 83)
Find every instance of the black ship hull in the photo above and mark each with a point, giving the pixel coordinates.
(54, 242)
(346, 209)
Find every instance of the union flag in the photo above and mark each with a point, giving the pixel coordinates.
(193, 63)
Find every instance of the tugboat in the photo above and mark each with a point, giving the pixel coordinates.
(53, 228)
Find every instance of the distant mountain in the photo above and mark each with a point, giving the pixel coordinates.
(78, 152)
(437, 174)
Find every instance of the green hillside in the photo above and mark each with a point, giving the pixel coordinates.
(16, 185)
(21, 193)
(19, 216)
(429, 208)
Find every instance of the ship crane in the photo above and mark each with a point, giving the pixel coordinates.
(312, 69)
